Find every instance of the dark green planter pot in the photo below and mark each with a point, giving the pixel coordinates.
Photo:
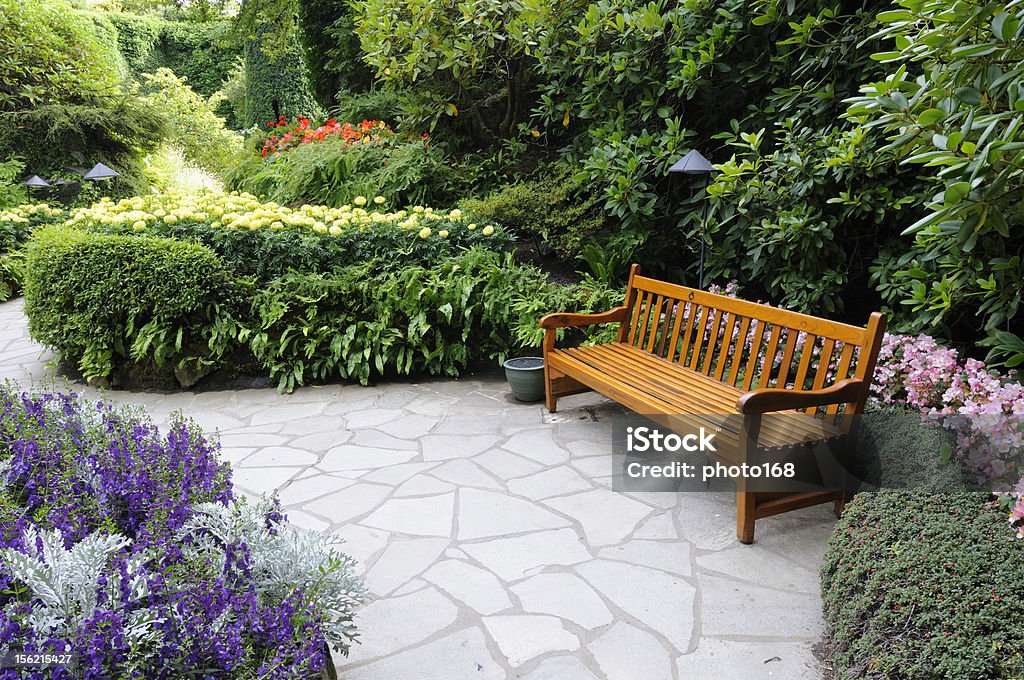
(525, 376)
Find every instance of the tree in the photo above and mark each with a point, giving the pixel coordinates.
(472, 59)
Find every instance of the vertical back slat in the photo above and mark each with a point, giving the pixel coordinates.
(670, 306)
(769, 357)
(698, 339)
(681, 311)
(713, 337)
(724, 345)
(805, 361)
(634, 324)
(842, 372)
(755, 349)
(737, 355)
(641, 335)
(691, 322)
(787, 357)
(659, 302)
(819, 376)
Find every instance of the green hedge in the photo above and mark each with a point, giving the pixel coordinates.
(137, 308)
(105, 302)
(924, 586)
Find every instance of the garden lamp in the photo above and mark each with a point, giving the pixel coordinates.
(36, 181)
(100, 171)
(694, 163)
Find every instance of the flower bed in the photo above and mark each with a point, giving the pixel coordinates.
(288, 135)
(982, 409)
(128, 548)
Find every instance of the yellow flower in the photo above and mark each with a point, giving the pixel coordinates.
(417, 209)
(488, 230)
(139, 226)
(276, 226)
(455, 214)
(443, 233)
(379, 200)
(335, 230)
(170, 219)
(471, 226)
(425, 232)
(360, 200)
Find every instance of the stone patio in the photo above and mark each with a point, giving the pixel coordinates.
(490, 540)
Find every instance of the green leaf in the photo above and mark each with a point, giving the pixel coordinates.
(931, 116)
(955, 193)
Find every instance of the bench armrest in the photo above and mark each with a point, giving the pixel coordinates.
(568, 320)
(771, 399)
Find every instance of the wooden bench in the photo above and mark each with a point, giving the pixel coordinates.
(685, 351)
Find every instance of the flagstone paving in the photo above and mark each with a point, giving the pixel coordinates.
(489, 537)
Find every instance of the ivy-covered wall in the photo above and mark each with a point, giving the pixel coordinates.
(275, 84)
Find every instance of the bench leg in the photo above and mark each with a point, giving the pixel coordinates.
(840, 504)
(746, 509)
(550, 400)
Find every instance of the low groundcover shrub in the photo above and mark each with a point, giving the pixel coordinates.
(924, 586)
(128, 548)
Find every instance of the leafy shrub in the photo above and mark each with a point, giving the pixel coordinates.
(334, 172)
(61, 99)
(15, 226)
(60, 58)
(102, 300)
(381, 103)
(952, 111)
(266, 240)
(12, 273)
(127, 547)
(11, 190)
(366, 320)
(918, 585)
(195, 128)
(549, 209)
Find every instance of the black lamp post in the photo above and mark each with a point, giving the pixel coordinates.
(694, 163)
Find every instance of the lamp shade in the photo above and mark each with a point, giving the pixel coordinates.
(692, 163)
(100, 171)
(36, 181)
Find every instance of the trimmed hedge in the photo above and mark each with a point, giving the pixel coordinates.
(924, 586)
(101, 300)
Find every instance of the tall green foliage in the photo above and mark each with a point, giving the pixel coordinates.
(195, 128)
(61, 103)
(470, 61)
(275, 82)
(951, 105)
(331, 50)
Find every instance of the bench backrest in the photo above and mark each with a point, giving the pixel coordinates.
(748, 345)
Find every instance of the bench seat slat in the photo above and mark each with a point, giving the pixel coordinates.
(622, 367)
